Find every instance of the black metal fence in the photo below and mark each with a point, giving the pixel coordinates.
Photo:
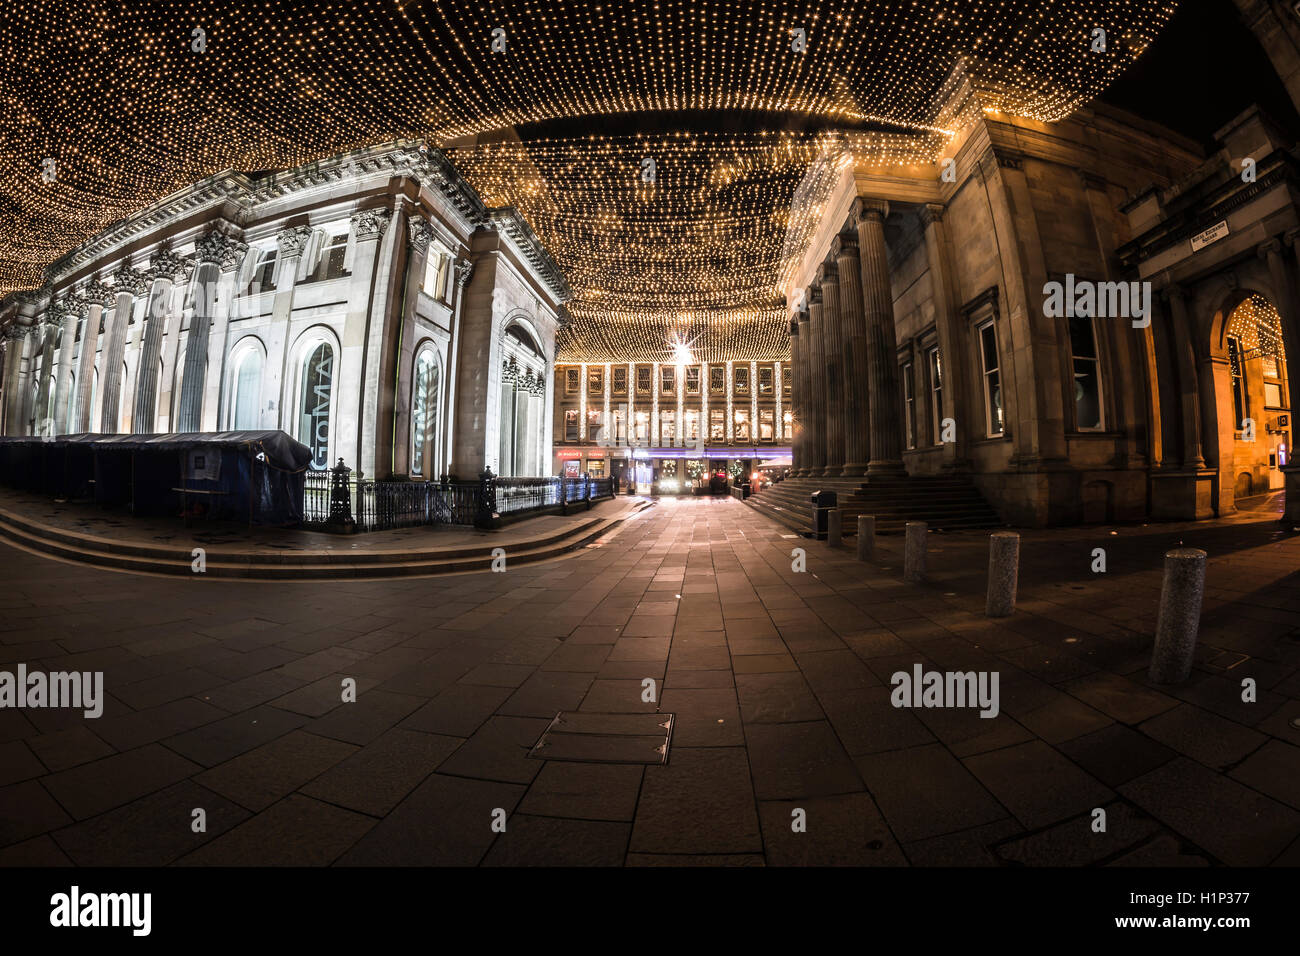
(338, 500)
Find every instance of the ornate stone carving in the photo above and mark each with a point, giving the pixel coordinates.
(97, 293)
(844, 244)
(166, 264)
(828, 272)
(221, 250)
(419, 232)
(371, 223)
(814, 296)
(126, 279)
(464, 269)
(292, 240)
(14, 331)
(932, 212)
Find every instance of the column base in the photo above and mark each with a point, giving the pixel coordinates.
(1185, 495)
(855, 469)
(832, 471)
(886, 468)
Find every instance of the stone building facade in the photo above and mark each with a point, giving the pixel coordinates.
(667, 424)
(370, 305)
(1089, 319)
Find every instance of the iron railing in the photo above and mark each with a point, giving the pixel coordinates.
(385, 505)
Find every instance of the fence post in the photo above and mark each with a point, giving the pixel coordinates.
(1181, 594)
(1004, 573)
(564, 495)
(914, 552)
(487, 516)
(341, 498)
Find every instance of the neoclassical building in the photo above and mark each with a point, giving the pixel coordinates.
(1087, 320)
(370, 305)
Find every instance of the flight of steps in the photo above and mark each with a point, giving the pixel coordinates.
(945, 502)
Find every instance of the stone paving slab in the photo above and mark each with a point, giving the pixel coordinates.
(228, 696)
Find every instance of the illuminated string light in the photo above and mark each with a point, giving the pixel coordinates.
(130, 106)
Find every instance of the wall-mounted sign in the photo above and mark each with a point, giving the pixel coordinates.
(566, 453)
(1209, 236)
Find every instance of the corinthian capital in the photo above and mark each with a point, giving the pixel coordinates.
(221, 250)
(97, 293)
(292, 240)
(126, 279)
(869, 210)
(371, 223)
(464, 269)
(419, 232)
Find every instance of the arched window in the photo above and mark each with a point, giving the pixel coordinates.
(246, 388)
(424, 415)
(523, 388)
(315, 401)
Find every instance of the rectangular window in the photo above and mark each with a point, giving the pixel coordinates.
(667, 429)
(936, 397)
(620, 381)
(740, 379)
(786, 380)
(642, 421)
(596, 468)
(643, 379)
(766, 424)
(668, 379)
(691, 425)
(693, 380)
(1237, 369)
(334, 256)
(595, 421)
(572, 380)
(909, 405)
(595, 380)
(263, 272)
(717, 425)
(434, 264)
(741, 431)
(1087, 375)
(571, 425)
(620, 426)
(992, 380)
(787, 425)
(765, 380)
(717, 378)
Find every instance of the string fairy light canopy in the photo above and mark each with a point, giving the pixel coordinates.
(110, 106)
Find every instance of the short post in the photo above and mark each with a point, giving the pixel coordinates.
(341, 498)
(1180, 616)
(866, 536)
(834, 522)
(914, 553)
(1004, 573)
(486, 515)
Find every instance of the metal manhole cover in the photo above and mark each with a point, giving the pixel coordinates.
(606, 738)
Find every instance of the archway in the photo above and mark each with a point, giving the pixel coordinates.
(1251, 398)
(523, 388)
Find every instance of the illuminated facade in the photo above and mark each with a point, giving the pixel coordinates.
(369, 305)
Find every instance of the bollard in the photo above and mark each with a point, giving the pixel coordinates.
(866, 536)
(914, 553)
(834, 521)
(1004, 571)
(1180, 616)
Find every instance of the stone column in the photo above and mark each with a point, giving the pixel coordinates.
(1289, 310)
(127, 284)
(816, 436)
(833, 359)
(165, 270)
(215, 254)
(951, 328)
(50, 329)
(97, 296)
(853, 334)
(72, 309)
(882, 361)
(803, 386)
(1189, 391)
(796, 400)
(15, 343)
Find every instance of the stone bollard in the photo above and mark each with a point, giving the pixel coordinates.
(834, 522)
(866, 536)
(1180, 616)
(1004, 572)
(914, 553)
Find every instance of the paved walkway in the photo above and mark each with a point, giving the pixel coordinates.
(225, 696)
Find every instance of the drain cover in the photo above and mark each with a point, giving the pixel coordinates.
(606, 738)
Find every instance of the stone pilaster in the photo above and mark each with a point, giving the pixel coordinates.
(72, 309)
(216, 255)
(796, 404)
(51, 327)
(853, 330)
(165, 271)
(97, 296)
(127, 284)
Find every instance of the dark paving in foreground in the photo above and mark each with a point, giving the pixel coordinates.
(226, 696)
